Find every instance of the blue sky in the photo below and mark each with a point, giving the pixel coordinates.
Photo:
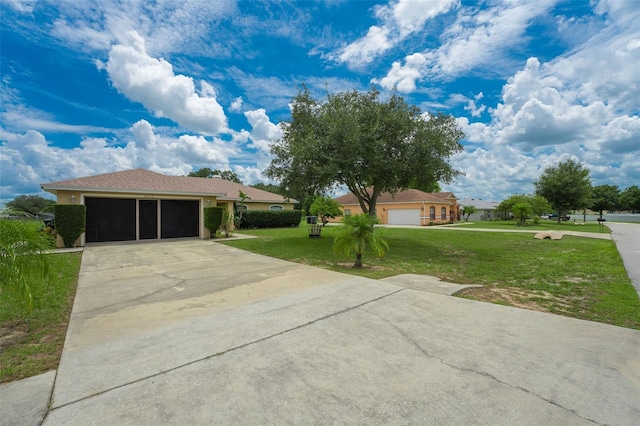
(92, 87)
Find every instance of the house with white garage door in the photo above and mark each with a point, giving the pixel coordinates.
(408, 207)
(140, 204)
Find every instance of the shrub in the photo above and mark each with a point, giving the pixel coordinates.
(213, 219)
(227, 223)
(70, 222)
(23, 264)
(271, 219)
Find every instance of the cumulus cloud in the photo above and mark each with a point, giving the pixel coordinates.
(236, 105)
(153, 83)
(263, 131)
(29, 159)
(473, 108)
(398, 21)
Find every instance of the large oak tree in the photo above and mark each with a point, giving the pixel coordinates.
(358, 140)
(605, 197)
(566, 186)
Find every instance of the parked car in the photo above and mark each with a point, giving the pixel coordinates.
(555, 216)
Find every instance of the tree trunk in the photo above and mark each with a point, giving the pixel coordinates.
(358, 263)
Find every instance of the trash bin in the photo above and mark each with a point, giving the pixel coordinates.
(312, 220)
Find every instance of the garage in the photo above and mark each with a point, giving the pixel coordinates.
(114, 219)
(404, 217)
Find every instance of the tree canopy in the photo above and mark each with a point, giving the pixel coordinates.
(269, 187)
(365, 143)
(539, 205)
(605, 197)
(31, 204)
(630, 199)
(325, 207)
(468, 211)
(566, 186)
(206, 172)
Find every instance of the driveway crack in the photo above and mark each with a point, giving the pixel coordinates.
(415, 344)
(226, 351)
(139, 298)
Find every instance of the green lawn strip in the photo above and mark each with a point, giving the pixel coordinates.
(31, 343)
(544, 225)
(577, 277)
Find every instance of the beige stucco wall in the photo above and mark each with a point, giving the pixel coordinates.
(65, 197)
(266, 206)
(382, 211)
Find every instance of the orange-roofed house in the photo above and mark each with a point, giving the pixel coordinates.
(408, 207)
(140, 204)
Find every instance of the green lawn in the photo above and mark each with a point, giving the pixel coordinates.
(577, 277)
(544, 225)
(31, 343)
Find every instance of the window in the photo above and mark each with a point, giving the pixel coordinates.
(443, 213)
(347, 212)
(432, 213)
(275, 208)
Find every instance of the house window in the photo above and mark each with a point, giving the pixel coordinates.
(347, 212)
(432, 213)
(443, 213)
(275, 208)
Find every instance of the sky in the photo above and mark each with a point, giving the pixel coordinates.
(90, 87)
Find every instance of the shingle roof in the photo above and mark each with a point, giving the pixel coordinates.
(406, 196)
(146, 181)
(479, 204)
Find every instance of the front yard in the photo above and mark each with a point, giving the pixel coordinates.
(577, 277)
(31, 343)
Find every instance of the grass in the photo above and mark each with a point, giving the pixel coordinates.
(31, 343)
(544, 225)
(577, 277)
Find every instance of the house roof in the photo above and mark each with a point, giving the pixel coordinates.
(479, 204)
(146, 181)
(406, 196)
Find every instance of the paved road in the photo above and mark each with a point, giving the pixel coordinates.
(627, 239)
(191, 332)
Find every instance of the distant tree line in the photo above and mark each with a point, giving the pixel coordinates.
(567, 187)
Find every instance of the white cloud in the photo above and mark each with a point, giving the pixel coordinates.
(236, 105)
(478, 39)
(177, 25)
(364, 50)
(263, 130)
(398, 21)
(153, 83)
(473, 108)
(28, 159)
(404, 76)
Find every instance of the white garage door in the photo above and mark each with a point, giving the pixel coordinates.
(404, 217)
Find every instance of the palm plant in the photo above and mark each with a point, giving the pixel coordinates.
(23, 264)
(356, 235)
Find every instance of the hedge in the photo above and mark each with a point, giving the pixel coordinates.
(213, 219)
(270, 218)
(70, 221)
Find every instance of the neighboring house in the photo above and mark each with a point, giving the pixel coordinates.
(408, 207)
(486, 209)
(140, 204)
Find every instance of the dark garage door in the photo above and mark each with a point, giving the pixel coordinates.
(179, 218)
(110, 219)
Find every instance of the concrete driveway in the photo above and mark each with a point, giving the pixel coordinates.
(193, 332)
(627, 239)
